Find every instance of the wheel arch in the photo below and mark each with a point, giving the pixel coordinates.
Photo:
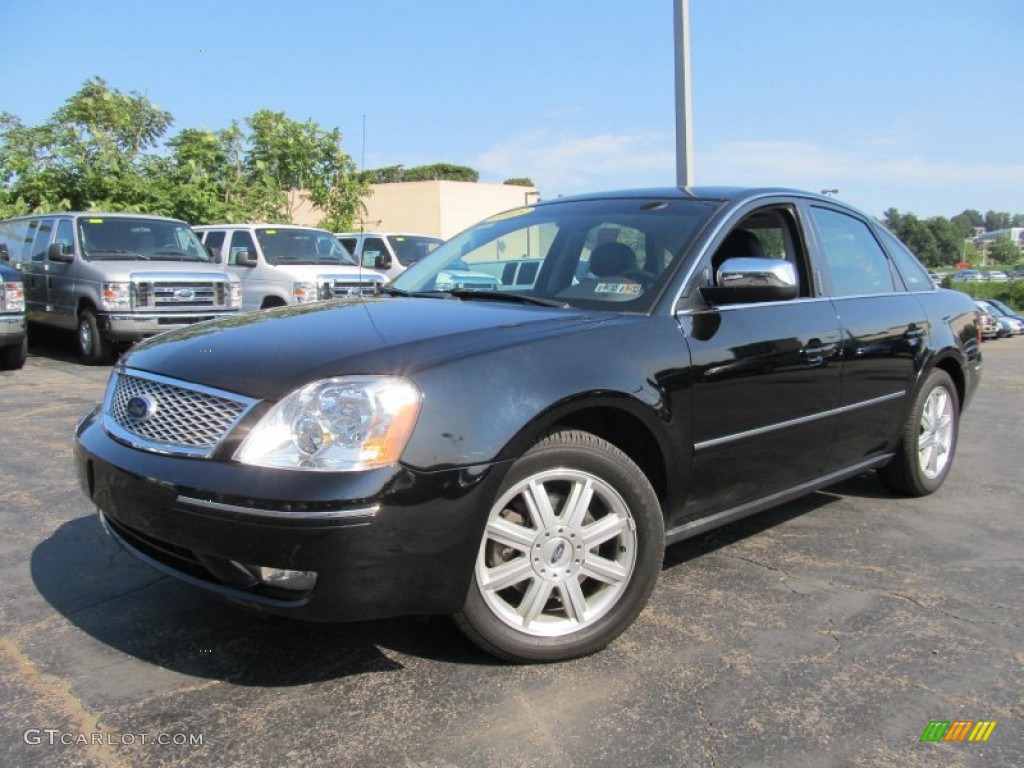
(621, 421)
(954, 367)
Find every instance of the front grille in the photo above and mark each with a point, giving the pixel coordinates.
(340, 289)
(179, 294)
(162, 415)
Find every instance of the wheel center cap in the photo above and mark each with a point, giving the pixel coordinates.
(556, 552)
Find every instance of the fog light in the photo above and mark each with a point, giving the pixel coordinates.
(300, 581)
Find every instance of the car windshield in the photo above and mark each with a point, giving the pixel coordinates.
(411, 248)
(128, 239)
(599, 254)
(293, 245)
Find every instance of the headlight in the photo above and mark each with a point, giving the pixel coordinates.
(305, 292)
(234, 294)
(336, 425)
(13, 297)
(116, 296)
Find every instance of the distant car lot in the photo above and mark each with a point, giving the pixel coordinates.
(829, 631)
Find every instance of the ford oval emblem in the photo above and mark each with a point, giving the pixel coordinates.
(184, 294)
(140, 407)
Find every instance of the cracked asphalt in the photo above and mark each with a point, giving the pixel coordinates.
(826, 632)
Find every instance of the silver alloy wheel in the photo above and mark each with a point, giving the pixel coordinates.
(85, 337)
(935, 438)
(557, 554)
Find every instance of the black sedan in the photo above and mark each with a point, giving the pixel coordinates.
(520, 456)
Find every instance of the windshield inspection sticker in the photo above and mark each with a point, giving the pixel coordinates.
(629, 289)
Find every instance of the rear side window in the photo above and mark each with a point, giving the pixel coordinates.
(915, 276)
(857, 264)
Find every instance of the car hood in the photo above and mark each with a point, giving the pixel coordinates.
(269, 353)
(328, 271)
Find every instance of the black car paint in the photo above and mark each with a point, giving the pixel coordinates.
(697, 395)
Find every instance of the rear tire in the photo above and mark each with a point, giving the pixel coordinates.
(571, 552)
(928, 443)
(93, 346)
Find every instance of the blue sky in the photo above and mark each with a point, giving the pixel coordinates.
(914, 104)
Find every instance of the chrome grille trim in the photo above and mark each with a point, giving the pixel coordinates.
(186, 419)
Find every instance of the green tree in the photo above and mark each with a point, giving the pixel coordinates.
(520, 181)
(285, 155)
(997, 220)
(967, 220)
(1004, 251)
(441, 172)
(90, 154)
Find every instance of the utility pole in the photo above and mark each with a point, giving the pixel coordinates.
(684, 120)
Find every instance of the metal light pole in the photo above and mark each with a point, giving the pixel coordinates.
(684, 122)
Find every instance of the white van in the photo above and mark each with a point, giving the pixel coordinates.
(389, 253)
(284, 264)
(114, 278)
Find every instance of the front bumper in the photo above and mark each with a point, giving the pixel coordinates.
(12, 329)
(386, 542)
(124, 326)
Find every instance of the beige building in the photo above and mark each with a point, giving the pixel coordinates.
(438, 208)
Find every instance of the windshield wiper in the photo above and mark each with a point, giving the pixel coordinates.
(515, 298)
(392, 291)
(119, 252)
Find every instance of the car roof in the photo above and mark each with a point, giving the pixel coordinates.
(258, 224)
(101, 215)
(376, 233)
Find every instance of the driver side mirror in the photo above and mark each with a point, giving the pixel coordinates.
(245, 259)
(60, 252)
(747, 280)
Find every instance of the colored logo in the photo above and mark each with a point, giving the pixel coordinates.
(184, 294)
(958, 730)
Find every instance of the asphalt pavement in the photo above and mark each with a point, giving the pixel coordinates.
(828, 632)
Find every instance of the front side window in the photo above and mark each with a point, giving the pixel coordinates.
(614, 254)
(127, 239)
(240, 241)
(857, 265)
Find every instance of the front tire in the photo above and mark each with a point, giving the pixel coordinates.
(570, 554)
(928, 443)
(13, 357)
(93, 346)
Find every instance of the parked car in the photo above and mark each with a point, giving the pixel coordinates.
(390, 253)
(13, 337)
(989, 325)
(1002, 308)
(520, 459)
(115, 278)
(996, 276)
(1008, 325)
(970, 276)
(281, 264)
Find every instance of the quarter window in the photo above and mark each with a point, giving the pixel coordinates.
(914, 275)
(857, 264)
